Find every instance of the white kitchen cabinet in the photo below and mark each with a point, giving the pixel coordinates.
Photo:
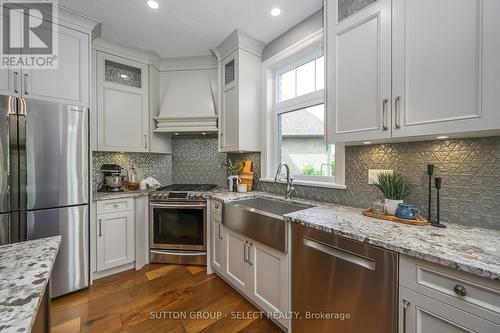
(115, 239)
(217, 243)
(269, 279)
(445, 67)
(122, 104)
(441, 77)
(359, 71)
(435, 298)
(7, 77)
(237, 270)
(240, 80)
(257, 271)
(422, 314)
(69, 83)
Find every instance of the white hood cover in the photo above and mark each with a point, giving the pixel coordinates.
(188, 101)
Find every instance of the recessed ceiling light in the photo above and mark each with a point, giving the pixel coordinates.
(176, 133)
(203, 133)
(442, 137)
(367, 142)
(153, 4)
(275, 11)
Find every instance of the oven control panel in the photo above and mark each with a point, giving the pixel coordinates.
(176, 196)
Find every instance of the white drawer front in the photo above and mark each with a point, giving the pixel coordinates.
(115, 205)
(216, 207)
(473, 294)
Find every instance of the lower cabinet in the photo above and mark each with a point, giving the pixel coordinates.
(422, 314)
(115, 234)
(257, 271)
(434, 298)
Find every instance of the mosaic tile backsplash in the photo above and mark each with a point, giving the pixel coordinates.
(158, 166)
(470, 169)
(197, 160)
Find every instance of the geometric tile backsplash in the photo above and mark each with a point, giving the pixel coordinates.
(158, 166)
(470, 169)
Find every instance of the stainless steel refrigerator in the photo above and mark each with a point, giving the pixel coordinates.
(44, 182)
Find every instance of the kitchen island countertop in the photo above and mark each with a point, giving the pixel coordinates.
(24, 275)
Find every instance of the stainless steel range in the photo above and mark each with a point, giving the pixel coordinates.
(178, 224)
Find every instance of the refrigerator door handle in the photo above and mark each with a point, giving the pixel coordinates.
(23, 175)
(13, 163)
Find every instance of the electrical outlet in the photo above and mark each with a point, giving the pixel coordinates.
(373, 175)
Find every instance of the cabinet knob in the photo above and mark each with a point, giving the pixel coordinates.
(460, 290)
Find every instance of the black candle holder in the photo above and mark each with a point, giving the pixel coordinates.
(430, 172)
(437, 223)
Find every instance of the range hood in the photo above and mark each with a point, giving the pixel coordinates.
(188, 101)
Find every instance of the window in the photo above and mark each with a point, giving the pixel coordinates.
(300, 114)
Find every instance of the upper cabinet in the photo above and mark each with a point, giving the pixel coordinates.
(68, 83)
(122, 104)
(433, 74)
(240, 98)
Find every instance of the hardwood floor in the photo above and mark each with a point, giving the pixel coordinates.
(158, 298)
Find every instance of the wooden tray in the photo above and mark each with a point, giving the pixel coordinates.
(418, 221)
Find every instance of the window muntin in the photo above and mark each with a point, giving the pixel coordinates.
(301, 80)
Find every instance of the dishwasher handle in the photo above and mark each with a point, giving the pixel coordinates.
(340, 253)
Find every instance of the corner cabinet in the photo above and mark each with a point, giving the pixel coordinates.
(428, 76)
(122, 104)
(240, 100)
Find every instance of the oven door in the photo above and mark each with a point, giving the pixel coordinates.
(178, 225)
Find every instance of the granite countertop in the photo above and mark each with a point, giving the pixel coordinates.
(24, 273)
(97, 196)
(469, 249)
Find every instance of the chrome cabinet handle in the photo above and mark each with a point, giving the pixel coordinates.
(249, 254)
(460, 290)
(145, 141)
(384, 114)
(397, 114)
(25, 83)
(115, 205)
(406, 304)
(245, 252)
(16, 82)
(100, 227)
(221, 141)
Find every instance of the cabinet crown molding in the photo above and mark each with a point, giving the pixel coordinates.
(240, 40)
(132, 53)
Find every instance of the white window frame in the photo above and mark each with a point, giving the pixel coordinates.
(300, 53)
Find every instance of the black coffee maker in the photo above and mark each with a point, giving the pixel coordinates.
(112, 178)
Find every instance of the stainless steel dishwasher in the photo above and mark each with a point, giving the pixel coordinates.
(341, 285)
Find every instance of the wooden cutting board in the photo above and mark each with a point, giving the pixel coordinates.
(418, 221)
(246, 175)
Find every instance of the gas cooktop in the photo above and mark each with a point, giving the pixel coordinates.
(182, 192)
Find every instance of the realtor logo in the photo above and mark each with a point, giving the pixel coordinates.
(29, 34)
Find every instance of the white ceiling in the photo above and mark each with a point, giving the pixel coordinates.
(181, 28)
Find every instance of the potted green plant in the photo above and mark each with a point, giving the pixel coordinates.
(395, 188)
(233, 170)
